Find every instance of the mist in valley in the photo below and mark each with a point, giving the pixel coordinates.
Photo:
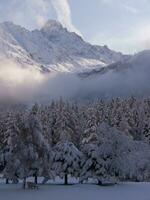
(23, 85)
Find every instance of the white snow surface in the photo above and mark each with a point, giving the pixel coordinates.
(57, 191)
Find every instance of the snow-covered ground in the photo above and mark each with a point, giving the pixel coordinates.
(122, 191)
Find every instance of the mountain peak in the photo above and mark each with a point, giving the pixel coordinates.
(53, 47)
(52, 25)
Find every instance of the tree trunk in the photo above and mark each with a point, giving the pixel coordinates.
(15, 181)
(66, 179)
(35, 179)
(7, 181)
(99, 182)
(24, 183)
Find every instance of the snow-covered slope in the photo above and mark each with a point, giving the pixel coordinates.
(53, 48)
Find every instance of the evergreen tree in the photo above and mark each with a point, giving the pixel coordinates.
(66, 159)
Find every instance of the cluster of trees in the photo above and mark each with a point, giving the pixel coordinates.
(107, 141)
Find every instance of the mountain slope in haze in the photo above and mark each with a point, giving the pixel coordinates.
(124, 78)
(139, 63)
(53, 48)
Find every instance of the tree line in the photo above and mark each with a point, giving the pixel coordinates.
(107, 141)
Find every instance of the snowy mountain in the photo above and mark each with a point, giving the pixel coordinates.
(53, 48)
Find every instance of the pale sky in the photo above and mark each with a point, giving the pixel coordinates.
(123, 25)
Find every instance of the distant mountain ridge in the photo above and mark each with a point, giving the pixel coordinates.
(53, 49)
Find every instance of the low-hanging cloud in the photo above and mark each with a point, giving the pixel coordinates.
(25, 85)
(18, 83)
(63, 12)
(35, 13)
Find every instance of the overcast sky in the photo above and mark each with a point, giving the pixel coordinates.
(123, 25)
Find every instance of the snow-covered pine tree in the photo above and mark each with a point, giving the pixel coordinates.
(2, 161)
(46, 118)
(132, 161)
(123, 158)
(8, 126)
(29, 154)
(12, 155)
(40, 145)
(91, 161)
(108, 138)
(61, 123)
(102, 155)
(66, 158)
(89, 133)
